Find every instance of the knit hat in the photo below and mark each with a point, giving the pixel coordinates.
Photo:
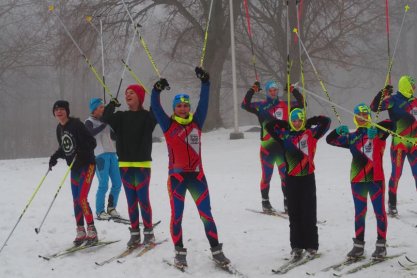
(61, 104)
(405, 86)
(362, 108)
(139, 90)
(181, 98)
(95, 103)
(270, 84)
(297, 114)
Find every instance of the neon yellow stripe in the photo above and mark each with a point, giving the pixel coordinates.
(142, 164)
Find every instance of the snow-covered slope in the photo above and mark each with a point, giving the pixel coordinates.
(255, 243)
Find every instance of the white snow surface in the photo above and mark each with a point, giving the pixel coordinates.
(255, 243)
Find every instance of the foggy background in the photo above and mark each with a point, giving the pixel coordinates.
(347, 41)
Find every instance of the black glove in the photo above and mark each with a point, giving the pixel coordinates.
(313, 121)
(52, 162)
(256, 87)
(388, 89)
(202, 74)
(115, 102)
(161, 84)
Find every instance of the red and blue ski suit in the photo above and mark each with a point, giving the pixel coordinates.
(299, 151)
(403, 112)
(185, 166)
(271, 151)
(366, 174)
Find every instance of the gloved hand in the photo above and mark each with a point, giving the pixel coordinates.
(342, 130)
(52, 162)
(256, 87)
(312, 121)
(161, 84)
(388, 89)
(372, 131)
(115, 102)
(202, 74)
(291, 88)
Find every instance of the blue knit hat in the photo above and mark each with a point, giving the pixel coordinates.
(181, 98)
(95, 103)
(270, 84)
(362, 108)
(297, 114)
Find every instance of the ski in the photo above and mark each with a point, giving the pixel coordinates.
(150, 246)
(76, 249)
(272, 213)
(293, 264)
(180, 268)
(368, 264)
(123, 254)
(230, 269)
(342, 264)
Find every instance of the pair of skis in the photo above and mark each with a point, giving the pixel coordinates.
(293, 263)
(228, 268)
(141, 250)
(74, 249)
(280, 214)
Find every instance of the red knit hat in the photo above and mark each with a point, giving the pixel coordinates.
(139, 90)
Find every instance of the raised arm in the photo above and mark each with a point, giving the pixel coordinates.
(278, 129)
(321, 125)
(247, 104)
(90, 127)
(339, 137)
(156, 107)
(386, 103)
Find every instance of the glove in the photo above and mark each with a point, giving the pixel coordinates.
(372, 132)
(115, 102)
(388, 89)
(291, 88)
(161, 84)
(342, 130)
(52, 162)
(256, 87)
(202, 74)
(312, 121)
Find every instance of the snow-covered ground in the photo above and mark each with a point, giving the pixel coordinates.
(255, 243)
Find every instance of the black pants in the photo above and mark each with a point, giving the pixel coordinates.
(302, 209)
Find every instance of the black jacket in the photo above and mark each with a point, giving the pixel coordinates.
(74, 139)
(133, 131)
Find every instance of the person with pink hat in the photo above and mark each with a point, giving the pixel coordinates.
(133, 129)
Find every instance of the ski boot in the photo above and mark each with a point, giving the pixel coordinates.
(357, 250)
(380, 249)
(103, 216)
(218, 255)
(392, 210)
(91, 237)
(113, 212)
(266, 206)
(311, 253)
(296, 254)
(149, 237)
(80, 237)
(180, 260)
(134, 238)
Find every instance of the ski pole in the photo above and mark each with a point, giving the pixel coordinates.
(203, 52)
(134, 76)
(318, 76)
(26, 207)
(37, 230)
(288, 62)
(299, 7)
(142, 41)
(127, 61)
(410, 140)
(391, 61)
(92, 68)
(100, 33)
(251, 39)
(387, 29)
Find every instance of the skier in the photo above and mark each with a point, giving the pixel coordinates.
(271, 151)
(402, 110)
(133, 130)
(75, 141)
(106, 160)
(367, 145)
(182, 132)
(299, 141)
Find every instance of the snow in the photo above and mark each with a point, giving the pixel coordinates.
(255, 243)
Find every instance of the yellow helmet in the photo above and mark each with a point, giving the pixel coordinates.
(405, 86)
